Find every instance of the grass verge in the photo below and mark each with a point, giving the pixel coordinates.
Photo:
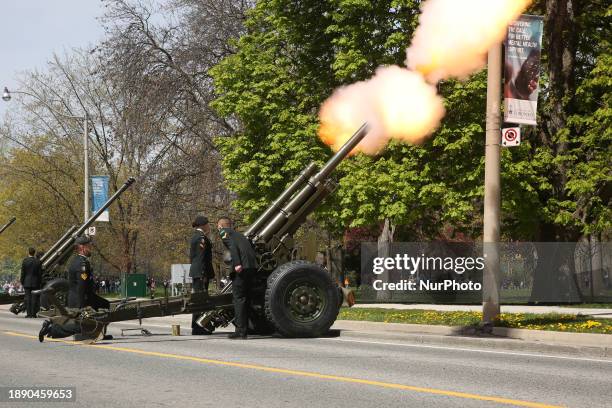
(552, 321)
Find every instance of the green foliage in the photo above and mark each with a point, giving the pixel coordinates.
(291, 59)
(31, 180)
(294, 54)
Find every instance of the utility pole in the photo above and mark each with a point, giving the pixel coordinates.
(491, 277)
(86, 167)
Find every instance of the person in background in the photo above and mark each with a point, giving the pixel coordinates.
(31, 278)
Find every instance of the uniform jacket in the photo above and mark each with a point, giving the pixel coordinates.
(31, 273)
(200, 256)
(81, 291)
(240, 248)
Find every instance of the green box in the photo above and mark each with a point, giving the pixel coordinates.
(134, 285)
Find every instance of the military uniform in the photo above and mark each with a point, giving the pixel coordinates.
(81, 295)
(31, 278)
(201, 268)
(200, 256)
(81, 290)
(242, 254)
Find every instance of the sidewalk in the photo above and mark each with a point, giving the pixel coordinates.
(596, 313)
(502, 338)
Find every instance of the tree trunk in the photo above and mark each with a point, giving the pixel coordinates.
(384, 250)
(554, 276)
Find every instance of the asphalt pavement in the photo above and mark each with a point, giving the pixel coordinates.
(346, 369)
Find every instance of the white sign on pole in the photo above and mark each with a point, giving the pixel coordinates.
(511, 136)
(523, 46)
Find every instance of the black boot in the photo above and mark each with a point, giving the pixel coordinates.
(237, 336)
(45, 329)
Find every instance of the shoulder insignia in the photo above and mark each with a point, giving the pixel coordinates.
(84, 276)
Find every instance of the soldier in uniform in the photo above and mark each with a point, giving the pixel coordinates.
(81, 293)
(31, 277)
(82, 290)
(201, 269)
(244, 265)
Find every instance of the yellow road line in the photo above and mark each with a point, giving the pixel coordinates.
(304, 373)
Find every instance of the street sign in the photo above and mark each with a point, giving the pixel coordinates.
(511, 136)
(91, 231)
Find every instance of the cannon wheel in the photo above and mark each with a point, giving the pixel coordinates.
(301, 300)
(260, 325)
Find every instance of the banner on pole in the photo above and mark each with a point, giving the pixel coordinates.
(99, 191)
(523, 46)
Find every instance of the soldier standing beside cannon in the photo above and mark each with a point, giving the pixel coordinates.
(244, 268)
(201, 269)
(82, 291)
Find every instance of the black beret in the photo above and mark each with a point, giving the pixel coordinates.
(199, 221)
(82, 240)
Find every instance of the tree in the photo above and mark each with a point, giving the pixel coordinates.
(291, 58)
(295, 53)
(146, 91)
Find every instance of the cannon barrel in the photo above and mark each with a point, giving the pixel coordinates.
(289, 217)
(8, 224)
(65, 247)
(276, 206)
(58, 243)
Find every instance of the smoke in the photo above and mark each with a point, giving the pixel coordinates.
(452, 40)
(453, 37)
(396, 103)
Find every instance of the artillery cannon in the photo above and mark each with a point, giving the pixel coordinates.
(58, 254)
(8, 224)
(293, 297)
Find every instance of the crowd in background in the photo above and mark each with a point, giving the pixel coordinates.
(12, 287)
(107, 285)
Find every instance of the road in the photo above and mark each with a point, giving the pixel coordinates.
(347, 369)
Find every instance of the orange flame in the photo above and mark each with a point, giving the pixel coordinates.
(453, 36)
(396, 103)
(451, 41)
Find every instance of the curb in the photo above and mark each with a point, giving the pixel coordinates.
(575, 344)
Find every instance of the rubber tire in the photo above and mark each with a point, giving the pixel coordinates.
(260, 325)
(276, 311)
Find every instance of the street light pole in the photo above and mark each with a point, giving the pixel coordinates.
(492, 193)
(6, 96)
(86, 167)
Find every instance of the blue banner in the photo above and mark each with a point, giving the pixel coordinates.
(99, 193)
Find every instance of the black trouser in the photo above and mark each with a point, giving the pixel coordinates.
(198, 285)
(31, 301)
(241, 289)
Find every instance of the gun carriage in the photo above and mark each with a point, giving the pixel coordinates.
(293, 297)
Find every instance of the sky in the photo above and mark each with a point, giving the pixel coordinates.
(32, 30)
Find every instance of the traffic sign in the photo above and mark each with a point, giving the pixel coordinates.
(511, 136)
